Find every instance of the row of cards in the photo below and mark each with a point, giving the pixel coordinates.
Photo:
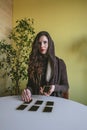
(48, 107)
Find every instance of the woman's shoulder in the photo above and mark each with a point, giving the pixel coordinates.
(60, 60)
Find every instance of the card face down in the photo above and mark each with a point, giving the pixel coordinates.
(47, 109)
(46, 89)
(21, 107)
(28, 102)
(34, 108)
(39, 102)
(50, 103)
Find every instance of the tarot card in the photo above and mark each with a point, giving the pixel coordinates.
(47, 109)
(39, 102)
(34, 108)
(50, 103)
(28, 102)
(21, 107)
(46, 89)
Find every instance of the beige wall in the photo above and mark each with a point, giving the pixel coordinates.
(5, 27)
(5, 17)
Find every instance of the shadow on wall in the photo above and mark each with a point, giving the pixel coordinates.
(78, 49)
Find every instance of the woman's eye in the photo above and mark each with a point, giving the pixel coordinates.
(45, 42)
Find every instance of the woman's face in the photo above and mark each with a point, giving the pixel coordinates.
(43, 44)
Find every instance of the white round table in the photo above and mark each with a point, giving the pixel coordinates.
(65, 114)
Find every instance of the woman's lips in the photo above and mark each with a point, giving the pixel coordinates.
(42, 49)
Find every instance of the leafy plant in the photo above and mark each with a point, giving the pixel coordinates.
(14, 56)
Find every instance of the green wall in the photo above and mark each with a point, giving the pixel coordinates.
(66, 21)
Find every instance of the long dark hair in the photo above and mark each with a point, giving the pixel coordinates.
(35, 58)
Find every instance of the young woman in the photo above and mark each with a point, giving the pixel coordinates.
(47, 73)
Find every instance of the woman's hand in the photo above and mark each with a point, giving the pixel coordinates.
(26, 95)
(50, 91)
(41, 90)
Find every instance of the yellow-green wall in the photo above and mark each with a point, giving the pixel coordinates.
(66, 21)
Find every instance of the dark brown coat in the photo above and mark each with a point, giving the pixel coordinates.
(59, 79)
